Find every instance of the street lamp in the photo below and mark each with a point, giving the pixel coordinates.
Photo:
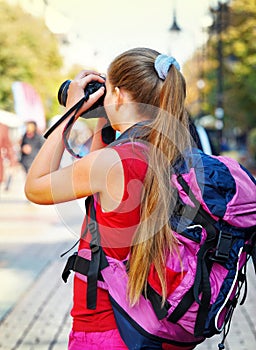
(174, 27)
(174, 30)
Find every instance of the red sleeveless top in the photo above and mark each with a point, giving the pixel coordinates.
(116, 229)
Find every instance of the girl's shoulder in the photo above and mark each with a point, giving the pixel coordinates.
(134, 148)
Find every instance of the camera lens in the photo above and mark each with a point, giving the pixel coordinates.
(63, 93)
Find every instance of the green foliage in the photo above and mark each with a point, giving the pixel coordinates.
(252, 143)
(29, 52)
(239, 67)
(240, 73)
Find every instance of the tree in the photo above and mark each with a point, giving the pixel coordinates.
(240, 74)
(29, 52)
(238, 38)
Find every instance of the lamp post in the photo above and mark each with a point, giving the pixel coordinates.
(174, 27)
(174, 30)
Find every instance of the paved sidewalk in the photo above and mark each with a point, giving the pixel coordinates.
(40, 319)
(35, 303)
(242, 334)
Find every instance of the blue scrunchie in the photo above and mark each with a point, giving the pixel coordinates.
(163, 64)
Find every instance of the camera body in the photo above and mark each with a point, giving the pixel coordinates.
(108, 133)
(90, 88)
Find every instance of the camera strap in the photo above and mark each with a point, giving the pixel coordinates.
(67, 130)
(75, 108)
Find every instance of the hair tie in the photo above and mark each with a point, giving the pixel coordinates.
(163, 64)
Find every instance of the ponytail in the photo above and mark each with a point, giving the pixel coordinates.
(154, 79)
(168, 137)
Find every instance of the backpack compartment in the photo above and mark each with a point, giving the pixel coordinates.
(141, 319)
(222, 308)
(183, 306)
(181, 266)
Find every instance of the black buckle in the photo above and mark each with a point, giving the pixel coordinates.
(76, 257)
(70, 265)
(92, 227)
(223, 247)
(94, 248)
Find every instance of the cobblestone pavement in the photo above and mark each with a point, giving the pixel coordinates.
(35, 303)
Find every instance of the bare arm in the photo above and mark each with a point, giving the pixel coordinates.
(97, 139)
(100, 171)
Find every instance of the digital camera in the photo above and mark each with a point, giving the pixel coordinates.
(90, 88)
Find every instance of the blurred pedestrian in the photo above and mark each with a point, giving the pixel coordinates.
(81, 140)
(6, 150)
(30, 145)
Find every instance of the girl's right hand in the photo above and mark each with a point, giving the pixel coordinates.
(77, 87)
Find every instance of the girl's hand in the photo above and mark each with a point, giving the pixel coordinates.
(77, 87)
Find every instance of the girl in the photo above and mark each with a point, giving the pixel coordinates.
(130, 181)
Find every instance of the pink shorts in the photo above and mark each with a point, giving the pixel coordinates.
(96, 341)
(105, 341)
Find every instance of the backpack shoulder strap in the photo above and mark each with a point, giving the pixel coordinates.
(98, 258)
(90, 268)
(198, 214)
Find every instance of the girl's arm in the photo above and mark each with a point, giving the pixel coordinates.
(98, 172)
(97, 142)
(47, 184)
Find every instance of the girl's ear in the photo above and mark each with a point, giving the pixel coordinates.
(117, 98)
(120, 96)
(117, 94)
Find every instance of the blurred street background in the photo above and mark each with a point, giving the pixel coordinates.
(34, 301)
(45, 42)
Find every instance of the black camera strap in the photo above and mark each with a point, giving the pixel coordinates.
(67, 130)
(75, 108)
(108, 133)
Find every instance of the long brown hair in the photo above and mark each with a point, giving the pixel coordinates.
(168, 136)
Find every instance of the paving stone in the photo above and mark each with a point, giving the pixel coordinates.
(39, 317)
(242, 334)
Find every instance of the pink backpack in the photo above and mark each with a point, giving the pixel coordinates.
(214, 221)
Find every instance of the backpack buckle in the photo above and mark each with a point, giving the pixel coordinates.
(94, 248)
(92, 227)
(223, 246)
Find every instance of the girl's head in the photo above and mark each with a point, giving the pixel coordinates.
(136, 72)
